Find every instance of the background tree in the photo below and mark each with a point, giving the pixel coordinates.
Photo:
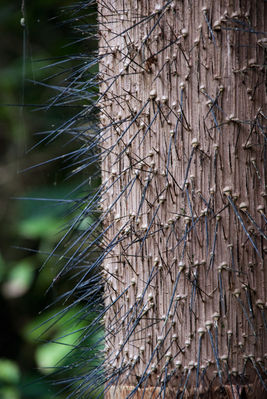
(182, 88)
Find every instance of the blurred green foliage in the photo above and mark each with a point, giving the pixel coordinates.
(31, 229)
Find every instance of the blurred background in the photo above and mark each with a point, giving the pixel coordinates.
(30, 229)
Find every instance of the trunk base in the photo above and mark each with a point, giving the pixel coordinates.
(234, 392)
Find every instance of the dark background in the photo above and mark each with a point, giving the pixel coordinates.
(29, 228)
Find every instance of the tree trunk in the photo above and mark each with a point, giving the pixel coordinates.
(184, 172)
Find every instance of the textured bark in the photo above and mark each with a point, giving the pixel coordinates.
(184, 163)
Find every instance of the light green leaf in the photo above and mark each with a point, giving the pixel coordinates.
(19, 280)
(9, 371)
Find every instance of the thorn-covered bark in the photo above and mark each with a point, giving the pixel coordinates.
(183, 151)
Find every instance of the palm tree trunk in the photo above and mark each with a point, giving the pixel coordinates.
(184, 168)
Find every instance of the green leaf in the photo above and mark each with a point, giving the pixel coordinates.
(9, 393)
(39, 227)
(9, 371)
(18, 280)
(52, 354)
(85, 223)
(65, 333)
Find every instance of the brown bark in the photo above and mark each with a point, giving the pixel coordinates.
(184, 168)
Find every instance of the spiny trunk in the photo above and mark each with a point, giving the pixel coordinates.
(184, 167)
